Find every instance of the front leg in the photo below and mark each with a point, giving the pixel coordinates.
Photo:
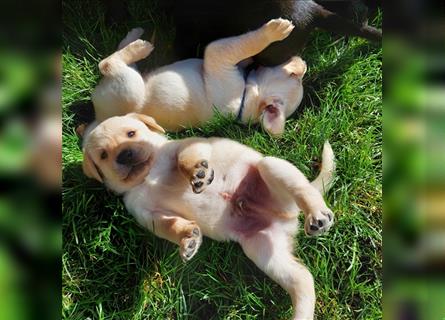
(193, 162)
(173, 228)
(131, 53)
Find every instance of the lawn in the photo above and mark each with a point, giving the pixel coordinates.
(114, 269)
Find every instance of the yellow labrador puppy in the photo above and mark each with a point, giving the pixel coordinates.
(185, 93)
(184, 189)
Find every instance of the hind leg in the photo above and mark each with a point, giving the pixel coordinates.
(284, 178)
(270, 250)
(131, 36)
(132, 52)
(122, 89)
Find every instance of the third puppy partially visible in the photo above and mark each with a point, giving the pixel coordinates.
(185, 93)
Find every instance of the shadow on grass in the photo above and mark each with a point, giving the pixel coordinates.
(87, 33)
(98, 242)
(316, 82)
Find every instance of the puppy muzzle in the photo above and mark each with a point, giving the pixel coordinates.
(130, 162)
(126, 157)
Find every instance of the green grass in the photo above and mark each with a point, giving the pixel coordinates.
(114, 269)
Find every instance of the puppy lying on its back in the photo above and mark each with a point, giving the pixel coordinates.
(183, 189)
(185, 93)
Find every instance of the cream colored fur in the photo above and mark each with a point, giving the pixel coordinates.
(186, 93)
(194, 187)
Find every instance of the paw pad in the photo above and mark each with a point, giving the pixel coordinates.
(202, 176)
(190, 244)
(318, 222)
(279, 29)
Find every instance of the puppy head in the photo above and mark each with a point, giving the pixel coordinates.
(273, 94)
(120, 150)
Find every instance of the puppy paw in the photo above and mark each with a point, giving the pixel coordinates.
(139, 49)
(201, 176)
(190, 244)
(131, 36)
(278, 29)
(318, 222)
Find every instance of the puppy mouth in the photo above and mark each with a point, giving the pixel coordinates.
(271, 110)
(138, 168)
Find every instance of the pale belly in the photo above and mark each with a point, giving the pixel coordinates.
(175, 96)
(231, 208)
(230, 211)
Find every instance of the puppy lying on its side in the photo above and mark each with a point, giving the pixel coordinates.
(184, 189)
(184, 93)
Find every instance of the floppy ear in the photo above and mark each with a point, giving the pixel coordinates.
(80, 130)
(149, 122)
(89, 168)
(295, 67)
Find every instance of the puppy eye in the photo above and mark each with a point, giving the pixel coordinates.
(103, 155)
(131, 133)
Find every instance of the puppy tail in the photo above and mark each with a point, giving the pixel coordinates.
(326, 176)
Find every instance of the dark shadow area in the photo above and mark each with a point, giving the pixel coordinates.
(82, 111)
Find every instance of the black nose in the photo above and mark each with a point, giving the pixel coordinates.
(125, 157)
